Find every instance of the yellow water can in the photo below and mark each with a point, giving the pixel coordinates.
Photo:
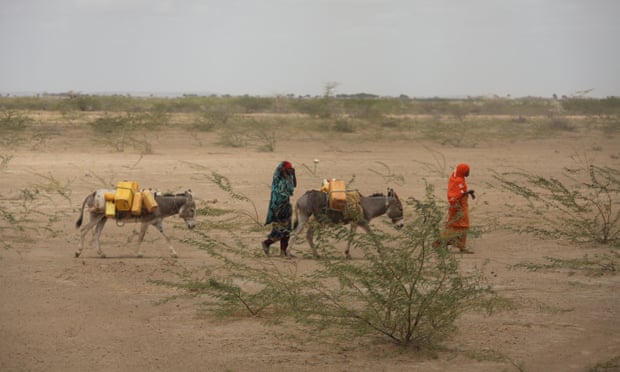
(136, 205)
(337, 195)
(149, 200)
(125, 191)
(110, 209)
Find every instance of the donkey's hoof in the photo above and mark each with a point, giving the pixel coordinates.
(139, 255)
(174, 255)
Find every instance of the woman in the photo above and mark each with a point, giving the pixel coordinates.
(280, 209)
(457, 226)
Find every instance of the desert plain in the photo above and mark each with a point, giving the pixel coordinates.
(62, 313)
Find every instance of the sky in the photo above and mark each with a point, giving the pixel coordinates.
(418, 48)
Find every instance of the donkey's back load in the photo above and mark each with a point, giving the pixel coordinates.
(125, 200)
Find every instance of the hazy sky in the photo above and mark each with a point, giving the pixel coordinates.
(420, 48)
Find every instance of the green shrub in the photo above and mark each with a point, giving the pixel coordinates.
(13, 121)
(406, 292)
(596, 265)
(111, 124)
(409, 293)
(233, 138)
(582, 207)
(120, 131)
(13, 125)
(560, 123)
(343, 126)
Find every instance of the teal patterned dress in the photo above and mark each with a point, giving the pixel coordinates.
(280, 209)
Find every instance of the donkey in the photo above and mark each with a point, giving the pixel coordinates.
(167, 205)
(315, 203)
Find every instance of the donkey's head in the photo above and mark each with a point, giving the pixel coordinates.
(395, 209)
(188, 210)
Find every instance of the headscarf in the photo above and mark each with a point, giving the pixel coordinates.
(456, 184)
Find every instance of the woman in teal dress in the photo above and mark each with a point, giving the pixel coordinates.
(280, 209)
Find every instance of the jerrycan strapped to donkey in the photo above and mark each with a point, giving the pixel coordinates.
(127, 198)
(336, 192)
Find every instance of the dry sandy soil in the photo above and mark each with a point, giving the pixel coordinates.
(60, 313)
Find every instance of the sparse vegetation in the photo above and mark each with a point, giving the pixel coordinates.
(13, 125)
(406, 293)
(26, 217)
(610, 365)
(593, 266)
(13, 121)
(409, 293)
(120, 131)
(584, 206)
(477, 120)
(4, 161)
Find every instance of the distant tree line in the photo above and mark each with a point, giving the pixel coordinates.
(359, 104)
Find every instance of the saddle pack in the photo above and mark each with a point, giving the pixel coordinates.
(341, 200)
(126, 198)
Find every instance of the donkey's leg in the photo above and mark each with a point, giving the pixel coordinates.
(159, 225)
(367, 229)
(347, 253)
(310, 238)
(98, 229)
(300, 226)
(143, 227)
(85, 229)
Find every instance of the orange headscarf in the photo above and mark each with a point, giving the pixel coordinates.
(458, 212)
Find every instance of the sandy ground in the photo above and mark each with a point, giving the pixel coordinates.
(60, 313)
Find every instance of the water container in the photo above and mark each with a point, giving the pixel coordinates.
(125, 191)
(149, 200)
(337, 195)
(110, 209)
(136, 205)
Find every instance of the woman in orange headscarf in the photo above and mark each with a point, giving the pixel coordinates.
(457, 226)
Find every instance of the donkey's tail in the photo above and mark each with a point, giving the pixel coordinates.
(78, 223)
